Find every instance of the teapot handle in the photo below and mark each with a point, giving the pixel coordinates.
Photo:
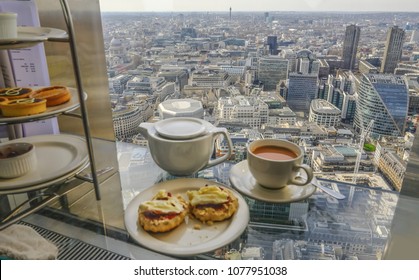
(221, 131)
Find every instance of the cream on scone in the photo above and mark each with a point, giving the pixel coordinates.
(212, 203)
(163, 212)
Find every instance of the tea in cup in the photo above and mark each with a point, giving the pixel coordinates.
(277, 163)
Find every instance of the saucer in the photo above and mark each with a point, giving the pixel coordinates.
(243, 181)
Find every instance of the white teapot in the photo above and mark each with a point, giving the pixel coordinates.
(183, 145)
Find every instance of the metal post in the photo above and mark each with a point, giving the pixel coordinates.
(76, 67)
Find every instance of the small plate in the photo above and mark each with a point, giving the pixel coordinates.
(185, 240)
(28, 36)
(244, 182)
(180, 128)
(57, 156)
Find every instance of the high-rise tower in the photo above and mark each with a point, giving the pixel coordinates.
(272, 43)
(384, 99)
(350, 46)
(393, 50)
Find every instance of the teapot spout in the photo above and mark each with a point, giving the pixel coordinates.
(145, 127)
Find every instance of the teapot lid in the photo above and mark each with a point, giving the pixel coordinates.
(179, 128)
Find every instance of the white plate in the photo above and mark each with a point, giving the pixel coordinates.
(49, 183)
(57, 156)
(28, 36)
(180, 128)
(185, 240)
(244, 182)
(72, 104)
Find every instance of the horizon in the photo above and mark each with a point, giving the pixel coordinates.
(399, 6)
(273, 11)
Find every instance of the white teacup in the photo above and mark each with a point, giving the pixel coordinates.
(277, 163)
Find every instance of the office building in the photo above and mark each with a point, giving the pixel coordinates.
(303, 85)
(291, 56)
(126, 121)
(392, 167)
(272, 43)
(302, 88)
(393, 49)
(271, 71)
(324, 113)
(338, 158)
(208, 78)
(415, 37)
(340, 91)
(350, 46)
(118, 83)
(281, 116)
(384, 99)
(247, 110)
(307, 63)
(367, 68)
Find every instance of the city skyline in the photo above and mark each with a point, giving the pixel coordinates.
(262, 5)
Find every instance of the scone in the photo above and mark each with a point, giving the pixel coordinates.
(15, 92)
(212, 204)
(163, 212)
(55, 95)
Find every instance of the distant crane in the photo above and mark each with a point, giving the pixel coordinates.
(364, 134)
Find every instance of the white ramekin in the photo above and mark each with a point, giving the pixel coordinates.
(24, 160)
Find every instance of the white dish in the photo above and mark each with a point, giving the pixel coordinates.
(243, 181)
(180, 128)
(185, 240)
(72, 104)
(48, 183)
(16, 159)
(28, 36)
(57, 155)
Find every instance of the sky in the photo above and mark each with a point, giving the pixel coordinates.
(258, 5)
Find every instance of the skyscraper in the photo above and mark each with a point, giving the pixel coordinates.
(384, 99)
(350, 46)
(272, 42)
(393, 50)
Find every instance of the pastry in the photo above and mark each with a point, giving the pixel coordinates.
(15, 92)
(23, 107)
(163, 212)
(55, 95)
(212, 204)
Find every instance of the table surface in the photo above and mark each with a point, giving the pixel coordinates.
(319, 227)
